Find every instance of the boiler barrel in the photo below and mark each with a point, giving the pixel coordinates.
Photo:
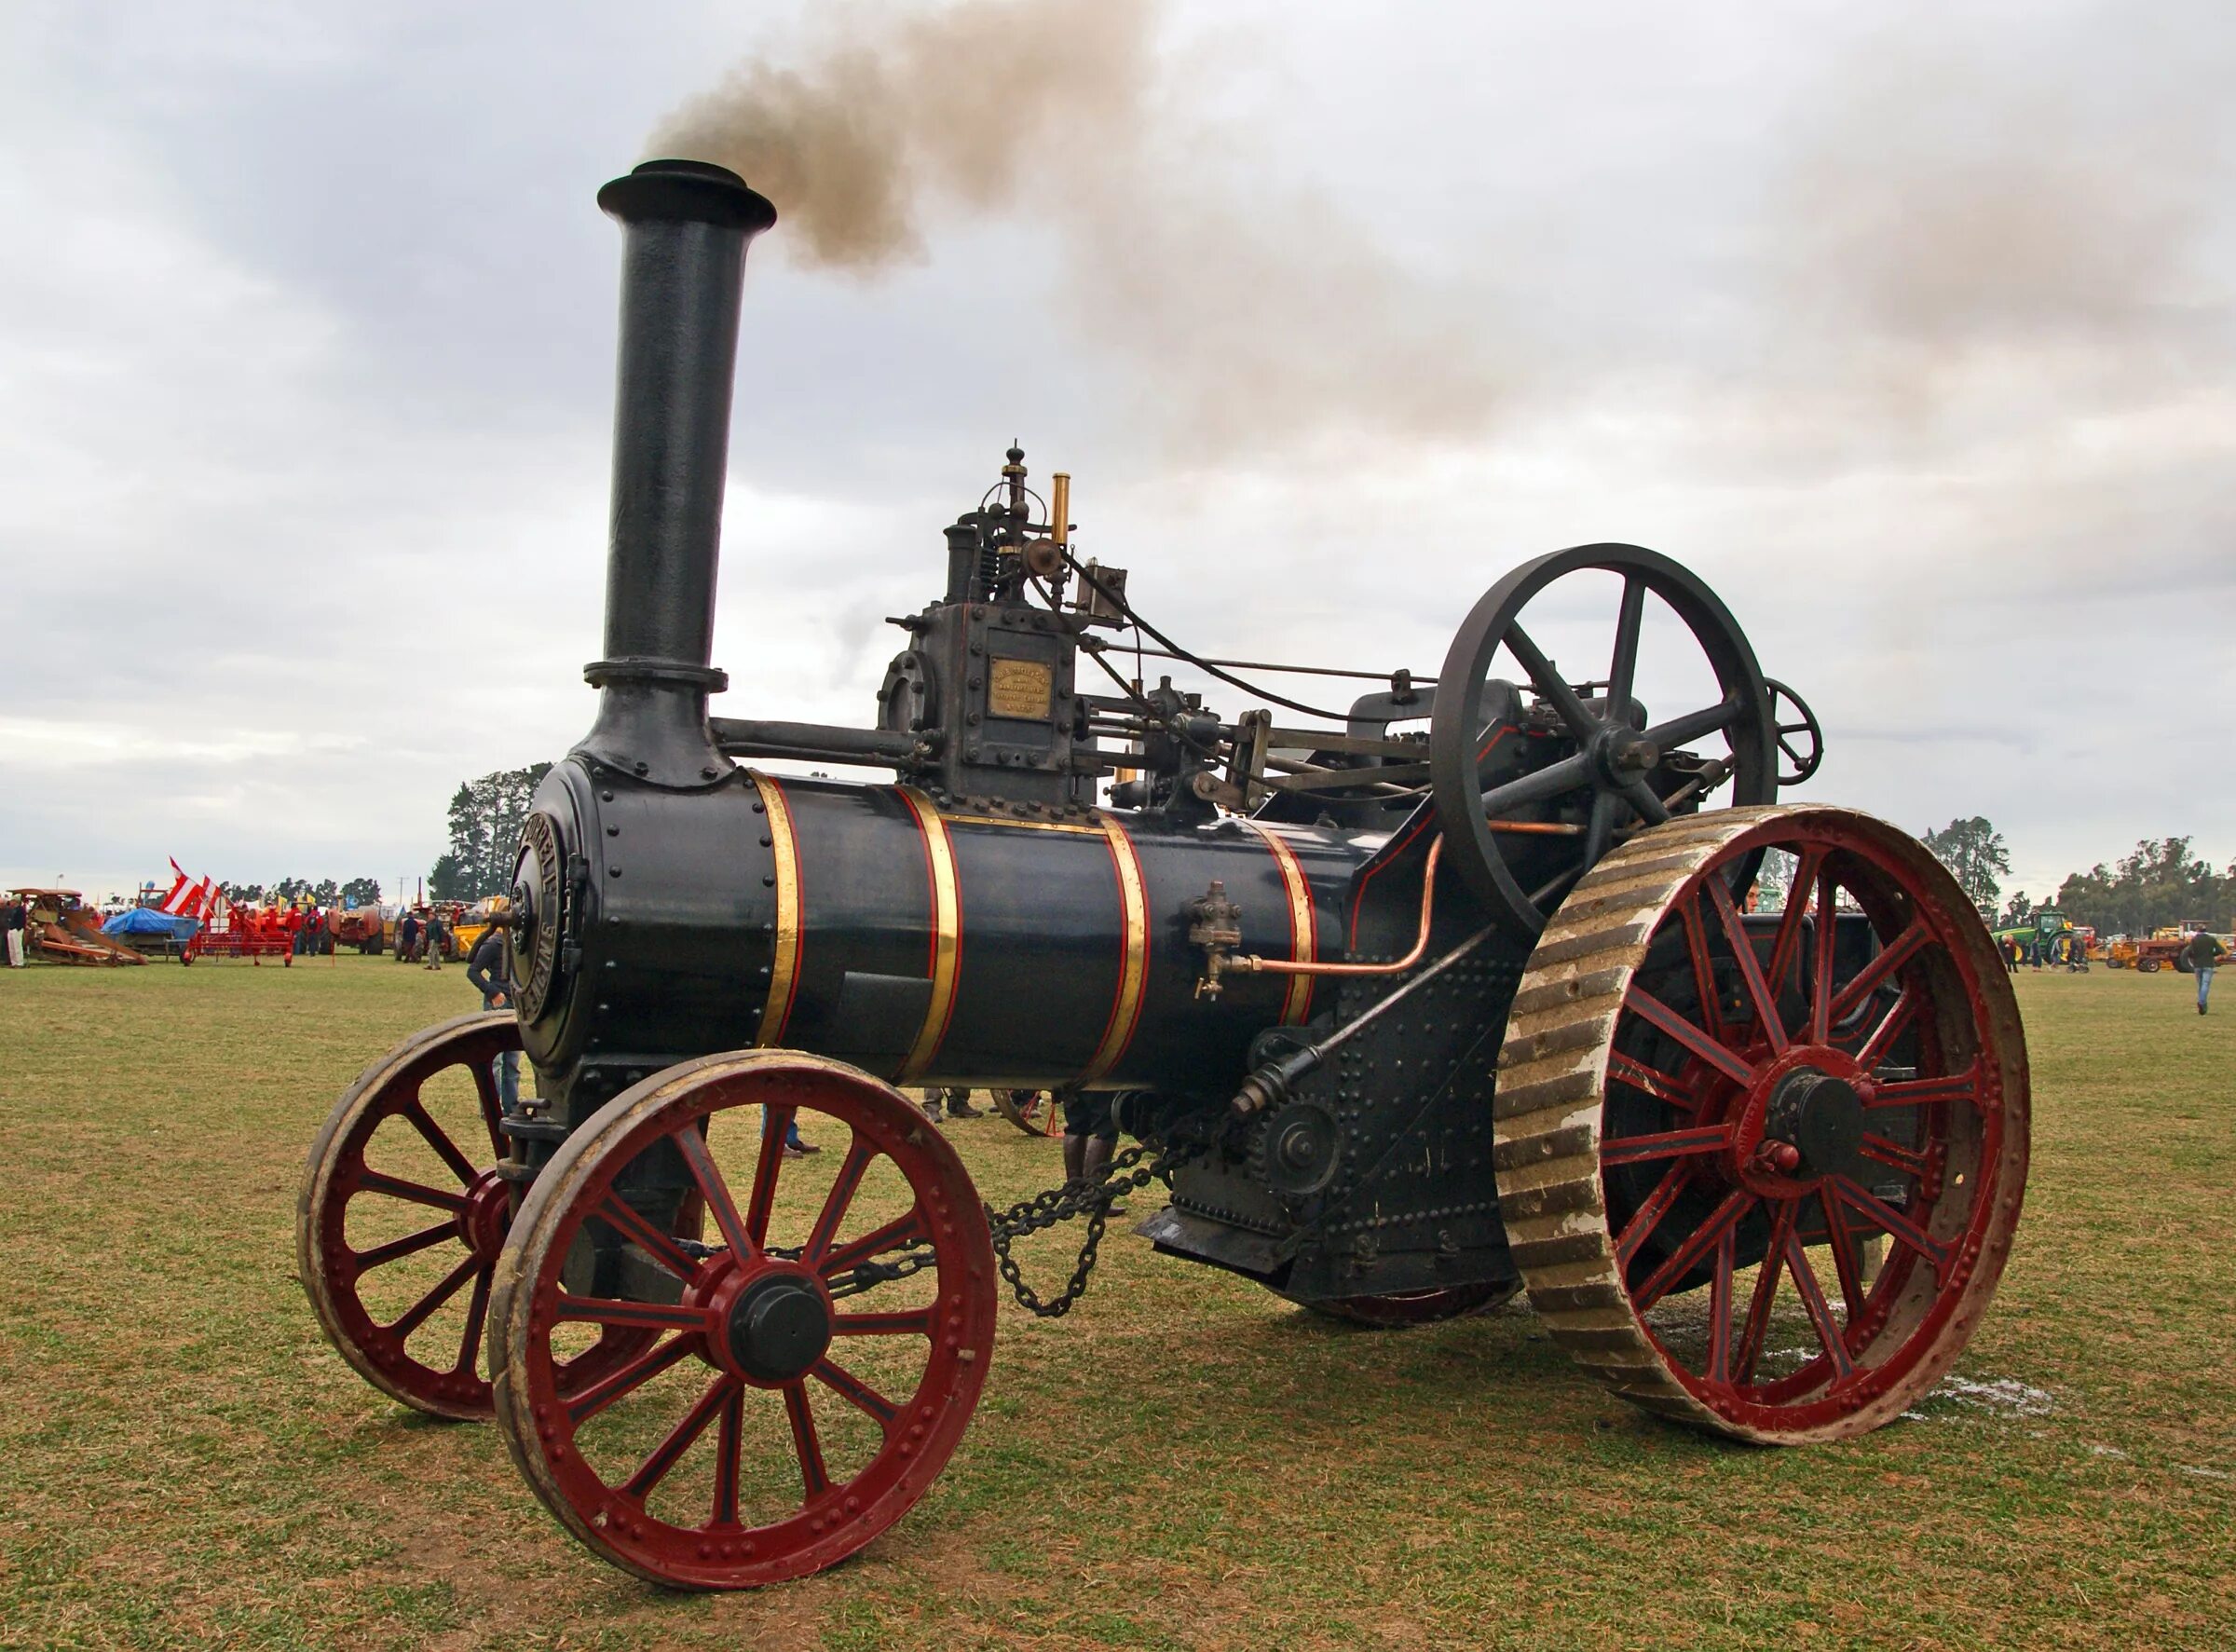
(861, 922)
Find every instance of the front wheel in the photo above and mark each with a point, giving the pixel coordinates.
(807, 1377)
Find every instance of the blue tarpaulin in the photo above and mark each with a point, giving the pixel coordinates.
(147, 921)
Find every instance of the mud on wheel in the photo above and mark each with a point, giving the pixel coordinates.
(813, 1368)
(1705, 1123)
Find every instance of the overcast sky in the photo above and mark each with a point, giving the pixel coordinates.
(1908, 327)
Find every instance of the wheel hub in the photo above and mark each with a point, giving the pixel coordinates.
(487, 1214)
(779, 1327)
(1821, 1117)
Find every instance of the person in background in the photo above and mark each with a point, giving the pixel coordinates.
(12, 921)
(2204, 953)
(431, 936)
(956, 1102)
(1090, 1137)
(407, 938)
(490, 971)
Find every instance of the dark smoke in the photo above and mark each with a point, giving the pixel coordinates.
(1254, 314)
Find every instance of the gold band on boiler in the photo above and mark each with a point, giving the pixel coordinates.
(1303, 937)
(783, 964)
(946, 932)
(1133, 969)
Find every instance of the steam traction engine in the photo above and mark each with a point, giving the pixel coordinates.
(1457, 992)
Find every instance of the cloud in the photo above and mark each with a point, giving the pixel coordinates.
(1908, 329)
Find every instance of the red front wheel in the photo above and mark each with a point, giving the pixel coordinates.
(808, 1375)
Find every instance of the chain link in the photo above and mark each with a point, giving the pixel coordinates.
(1044, 1211)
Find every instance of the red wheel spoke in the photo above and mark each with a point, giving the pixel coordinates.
(1752, 1334)
(1652, 1081)
(901, 1322)
(1704, 965)
(416, 1314)
(845, 1382)
(615, 1211)
(1751, 967)
(417, 1192)
(1664, 1144)
(1897, 1226)
(1642, 1004)
(1648, 1215)
(813, 1474)
(1683, 1260)
(1916, 1092)
(410, 1245)
(1892, 957)
(609, 1310)
(586, 1403)
(1821, 990)
(1821, 1313)
(439, 1139)
(901, 1230)
(858, 1157)
(1786, 945)
(1892, 1027)
(477, 1315)
(687, 1428)
(776, 1124)
(728, 1444)
(1845, 1261)
(716, 1192)
(1719, 1306)
(1894, 1155)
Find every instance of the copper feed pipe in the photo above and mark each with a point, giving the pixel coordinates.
(1251, 963)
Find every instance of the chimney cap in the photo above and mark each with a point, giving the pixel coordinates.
(688, 191)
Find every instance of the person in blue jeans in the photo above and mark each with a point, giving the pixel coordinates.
(490, 971)
(2203, 955)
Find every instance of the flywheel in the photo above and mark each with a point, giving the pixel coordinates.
(1709, 1123)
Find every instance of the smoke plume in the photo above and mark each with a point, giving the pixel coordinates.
(1254, 315)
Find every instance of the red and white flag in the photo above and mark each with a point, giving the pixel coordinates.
(181, 890)
(198, 902)
(219, 917)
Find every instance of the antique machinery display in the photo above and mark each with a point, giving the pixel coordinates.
(1454, 991)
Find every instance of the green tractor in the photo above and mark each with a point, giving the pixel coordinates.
(2043, 935)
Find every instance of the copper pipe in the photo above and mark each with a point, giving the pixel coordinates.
(1550, 828)
(1059, 511)
(1253, 964)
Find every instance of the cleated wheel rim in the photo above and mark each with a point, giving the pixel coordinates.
(401, 1216)
(1704, 1126)
(795, 1401)
(1036, 1112)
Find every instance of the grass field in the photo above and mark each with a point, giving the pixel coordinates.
(1184, 1462)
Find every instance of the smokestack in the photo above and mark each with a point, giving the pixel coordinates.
(686, 225)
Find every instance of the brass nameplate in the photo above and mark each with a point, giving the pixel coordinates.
(1020, 688)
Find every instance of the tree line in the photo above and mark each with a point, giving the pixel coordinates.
(487, 817)
(2159, 882)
